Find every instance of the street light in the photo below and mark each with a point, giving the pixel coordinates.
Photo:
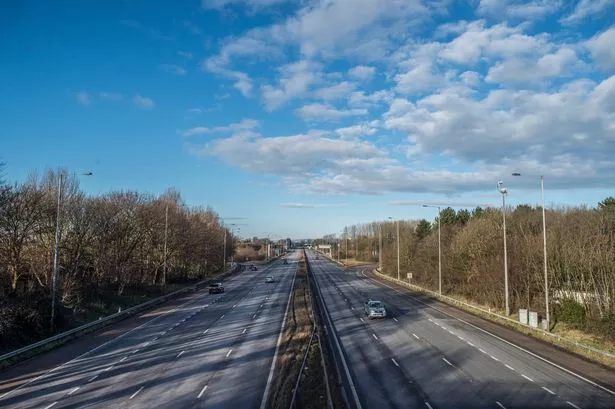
(398, 269)
(380, 246)
(439, 247)
(56, 253)
(504, 192)
(544, 247)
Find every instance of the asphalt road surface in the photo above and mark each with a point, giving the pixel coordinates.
(419, 357)
(213, 351)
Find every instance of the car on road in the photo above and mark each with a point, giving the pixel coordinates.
(375, 309)
(285, 261)
(270, 279)
(216, 288)
(253, 267)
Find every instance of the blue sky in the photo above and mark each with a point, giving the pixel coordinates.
(303, 116)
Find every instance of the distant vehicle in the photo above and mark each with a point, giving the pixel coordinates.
(285, 261)
(216, 288)
(270, 279)
(253, 267)
(375, 309)
(317, 257)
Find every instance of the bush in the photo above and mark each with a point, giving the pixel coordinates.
(570, 311)
(22, 324)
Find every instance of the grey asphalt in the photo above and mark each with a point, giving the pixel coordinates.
(420, 357)
(213, 351)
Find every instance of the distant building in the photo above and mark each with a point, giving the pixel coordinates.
(325, 248)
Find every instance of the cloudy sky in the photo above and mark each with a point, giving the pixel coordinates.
(306, 115)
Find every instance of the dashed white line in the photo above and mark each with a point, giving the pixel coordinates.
(184, 320)
(137, 392)
(146, 344)
(254, 316)
(229, 352)
(494, 358)
(447, 361)
(471, 344)
(415, 336)
(205, 332)
(202, 391)
(572, 404)
(430, 320)
(123, 359)
(362, 320)
(483, 351)
(92, 378)
(548, 390)
(180, 354)
(460, 338)
(52, 405)
(509, 367)
(395, 362)
(500, 405)
(234, 305)
(73, 390)
(222, 316)
(395, 319)
(375, 336)
(109, 368)
(527, 377)
(244, 330)
(135, 351)
(428, 405)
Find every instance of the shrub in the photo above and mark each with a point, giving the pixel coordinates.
(570, 311)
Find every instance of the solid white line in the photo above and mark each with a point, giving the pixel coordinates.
(528, 378)
(92, 378)
(180, 354)
(52, 405)
(446, 360)
(428, 405)
(548, 390)
(244, 330)
(202, 391)
(509, 367)
(277, 347)
(395, 362)
(573, 405)
(429, 319)
(500, 405)
(501, 339)
(73, 391)
(123, 359)
(460, 338)
(415, 336)
(395, 319)
(229, 352)
(137, 392)
(375, 337)
(494, 358)
(205, 332)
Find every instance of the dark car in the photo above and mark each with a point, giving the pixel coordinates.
(216, 288)
(285, 261)
(253, 267)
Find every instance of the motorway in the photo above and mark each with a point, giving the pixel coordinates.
(421, 357)
(213, 351)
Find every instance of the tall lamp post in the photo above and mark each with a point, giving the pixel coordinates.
(56, 252)
(380, 246)
(439, 247)
(398, 239)
(504, 192)
(544, 248)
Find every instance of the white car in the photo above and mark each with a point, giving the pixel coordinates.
(270, 279)
(375, 309)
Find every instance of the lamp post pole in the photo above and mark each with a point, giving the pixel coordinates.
(504, 192)
(439, 247)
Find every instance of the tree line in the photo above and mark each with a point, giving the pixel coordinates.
(580, 258)
(110, 245)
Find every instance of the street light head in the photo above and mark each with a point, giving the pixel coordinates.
(87, 173)
(503, 190)
(425, 206)
(516, 174)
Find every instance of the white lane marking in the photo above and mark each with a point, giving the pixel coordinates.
(494, 358)
(572, 404)
(375, 337)
(234, 305)
(74, 390)
(205, 332)
(395, 319)
(123, 359)
(351, 307)
(447, 361)
(135, 351)
(483, 351)
(137, 392)
(92, 378)
(51, 406)
(180, 354)
(146, 344)
(395, 362)
(184, 320)
(428, 405)
(450, 332)
(155, 339)
(244, 330)
(202, 391)
(222, 316)
(527, 377)
(509, 367)
(429, 319)
(362, 320)
(254, 316)
(548, 390)
(415, 336)
(164, 332)
(229, 352)
(109, 368)
(500, 405)
(471, 344)
(461, 338)
(499, 338)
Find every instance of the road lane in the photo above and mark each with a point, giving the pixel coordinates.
(454, 364)
(167, 362)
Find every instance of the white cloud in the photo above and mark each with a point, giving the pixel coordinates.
(602, 48)
(533, 9)
(359, 98)
(295, 81)
(185, 54)
(110, 96)
(252, 4)
(173, 69)
(587, 8)
(334, 92)
(324, 112)
(356, 131)
(84, 98)
(245, 124)
(309, 205)
(143, 102)
(362, 72)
